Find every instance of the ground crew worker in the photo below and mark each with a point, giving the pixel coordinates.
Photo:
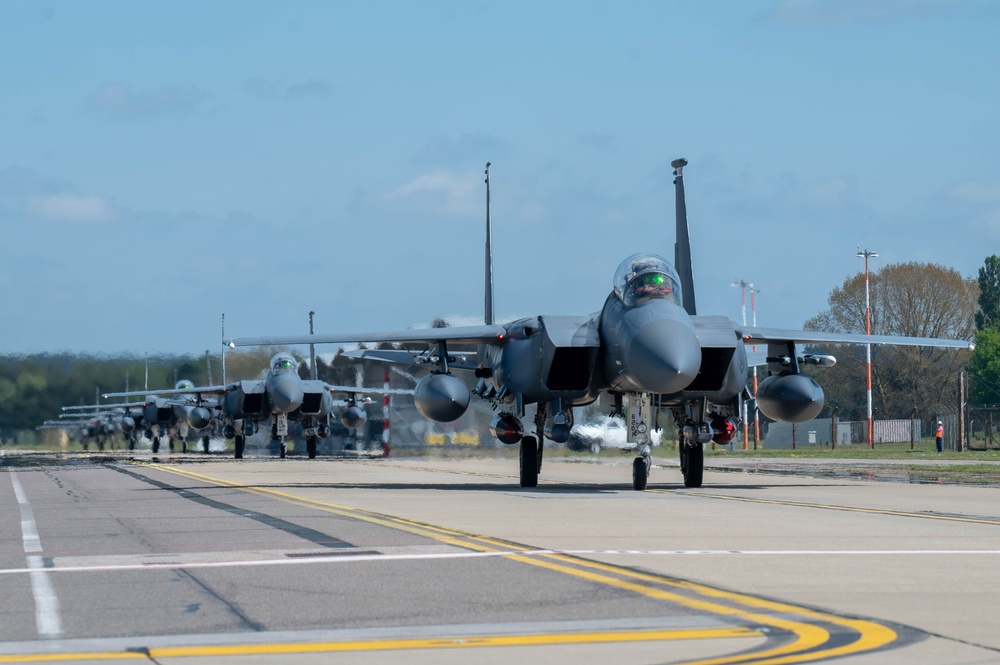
(939, 436)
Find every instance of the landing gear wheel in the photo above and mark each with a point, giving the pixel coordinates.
(240, 444)
(640, 473)
(156, 444)
(529, 461)
(692, 464)
(282, 448)
(131, 443)
(311, 447)
(204, 443)
(184, 445)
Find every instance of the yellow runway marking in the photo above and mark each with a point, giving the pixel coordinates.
(448, 642)
(809, 636)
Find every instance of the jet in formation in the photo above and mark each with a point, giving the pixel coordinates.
(647, 346)
(185, 412)
(282, 395)
(97, 422)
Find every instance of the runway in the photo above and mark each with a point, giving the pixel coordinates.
(192, 559)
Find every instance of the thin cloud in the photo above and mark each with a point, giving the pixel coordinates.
(443, 192)
(598, 142)
(466, 149)
(823, 12)
(976, 192)
(279, 89)
(123, 102)
(71, 207)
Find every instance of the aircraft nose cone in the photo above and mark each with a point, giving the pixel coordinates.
(664, 356)
(199, 417)
(286, 393)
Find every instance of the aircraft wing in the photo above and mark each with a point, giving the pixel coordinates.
(484, 334)
(380, 391)
(752, 335)
(456, 359)
(108, 406)
(199, 390)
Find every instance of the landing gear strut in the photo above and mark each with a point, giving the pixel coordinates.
(240, 444)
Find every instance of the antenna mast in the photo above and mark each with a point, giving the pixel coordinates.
(223, 348)
(488, 316)
(312, 350)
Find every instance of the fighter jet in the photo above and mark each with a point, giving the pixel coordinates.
(183, 410)
(282, 396)
(647, 345)
(100, 422)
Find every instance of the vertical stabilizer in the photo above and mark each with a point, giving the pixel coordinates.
(488, 315)
(682, 248)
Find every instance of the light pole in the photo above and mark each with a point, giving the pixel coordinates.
(867, 254)
(744, 285)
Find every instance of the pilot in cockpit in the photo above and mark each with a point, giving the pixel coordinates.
(282, 363)
(645, 277)
(649, 286)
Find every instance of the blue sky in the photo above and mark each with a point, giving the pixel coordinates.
(163, 163)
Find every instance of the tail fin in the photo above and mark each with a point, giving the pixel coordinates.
(682, 248)
(488, 315)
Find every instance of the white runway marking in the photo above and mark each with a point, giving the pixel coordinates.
(357, 558)
(46, 603)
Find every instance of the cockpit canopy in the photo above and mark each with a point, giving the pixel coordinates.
(283, 362)
(183, 384)
(644, 277)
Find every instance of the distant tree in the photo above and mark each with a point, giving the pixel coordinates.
(984, 368)
(913, 299)
(34, 387)
(989, 294)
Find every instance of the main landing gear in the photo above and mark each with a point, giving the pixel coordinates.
(692, 462)
(531, 461)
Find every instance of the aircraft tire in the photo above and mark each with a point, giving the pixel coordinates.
(156, 444)
(282, 449)
(311, 447)
(694, 467)
(184, 445)
(640, 474)
(240, 444)
(204, 443)
(529, 461)
(131, 443)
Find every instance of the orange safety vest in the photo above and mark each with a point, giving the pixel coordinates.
(940, 432)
